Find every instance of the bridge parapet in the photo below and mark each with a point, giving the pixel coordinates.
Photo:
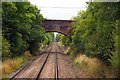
(61, 26)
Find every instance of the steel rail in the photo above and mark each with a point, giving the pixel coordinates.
(27, 64)
(56, 67)
(37, 78)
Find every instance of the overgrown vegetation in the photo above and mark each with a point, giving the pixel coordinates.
(94, 67)
(22, 29)
(95, 32)
(10, 65)
(63, 39)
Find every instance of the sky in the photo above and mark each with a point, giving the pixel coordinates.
(59, 9)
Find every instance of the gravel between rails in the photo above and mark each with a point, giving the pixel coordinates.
(49, 68)
(65, 66)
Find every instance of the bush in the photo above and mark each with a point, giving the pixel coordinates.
(115, 57)
(5, 48)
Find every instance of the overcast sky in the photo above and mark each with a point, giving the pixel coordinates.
(60, 9)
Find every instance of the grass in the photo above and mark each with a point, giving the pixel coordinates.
(93, 67)
(11, 65)
(67, 51)
(0, 69)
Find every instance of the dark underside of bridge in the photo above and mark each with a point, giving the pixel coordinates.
(61, 26)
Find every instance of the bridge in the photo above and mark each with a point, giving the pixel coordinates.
(60, 26)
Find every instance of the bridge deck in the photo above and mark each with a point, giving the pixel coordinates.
(61, 26)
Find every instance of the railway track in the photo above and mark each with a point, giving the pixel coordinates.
(52, 54)
(56, 67)
(51, 63)
(39, 73)
(34, 68)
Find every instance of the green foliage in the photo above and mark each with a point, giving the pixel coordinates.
(77, 43)
(115, 57)
(95, 30)
(63, 39)
(49, 38)
(22, 26)
(19, 44)
(0, 44)
(5, 48)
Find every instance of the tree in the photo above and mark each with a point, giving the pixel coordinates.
(95, 31)
(22, 27)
